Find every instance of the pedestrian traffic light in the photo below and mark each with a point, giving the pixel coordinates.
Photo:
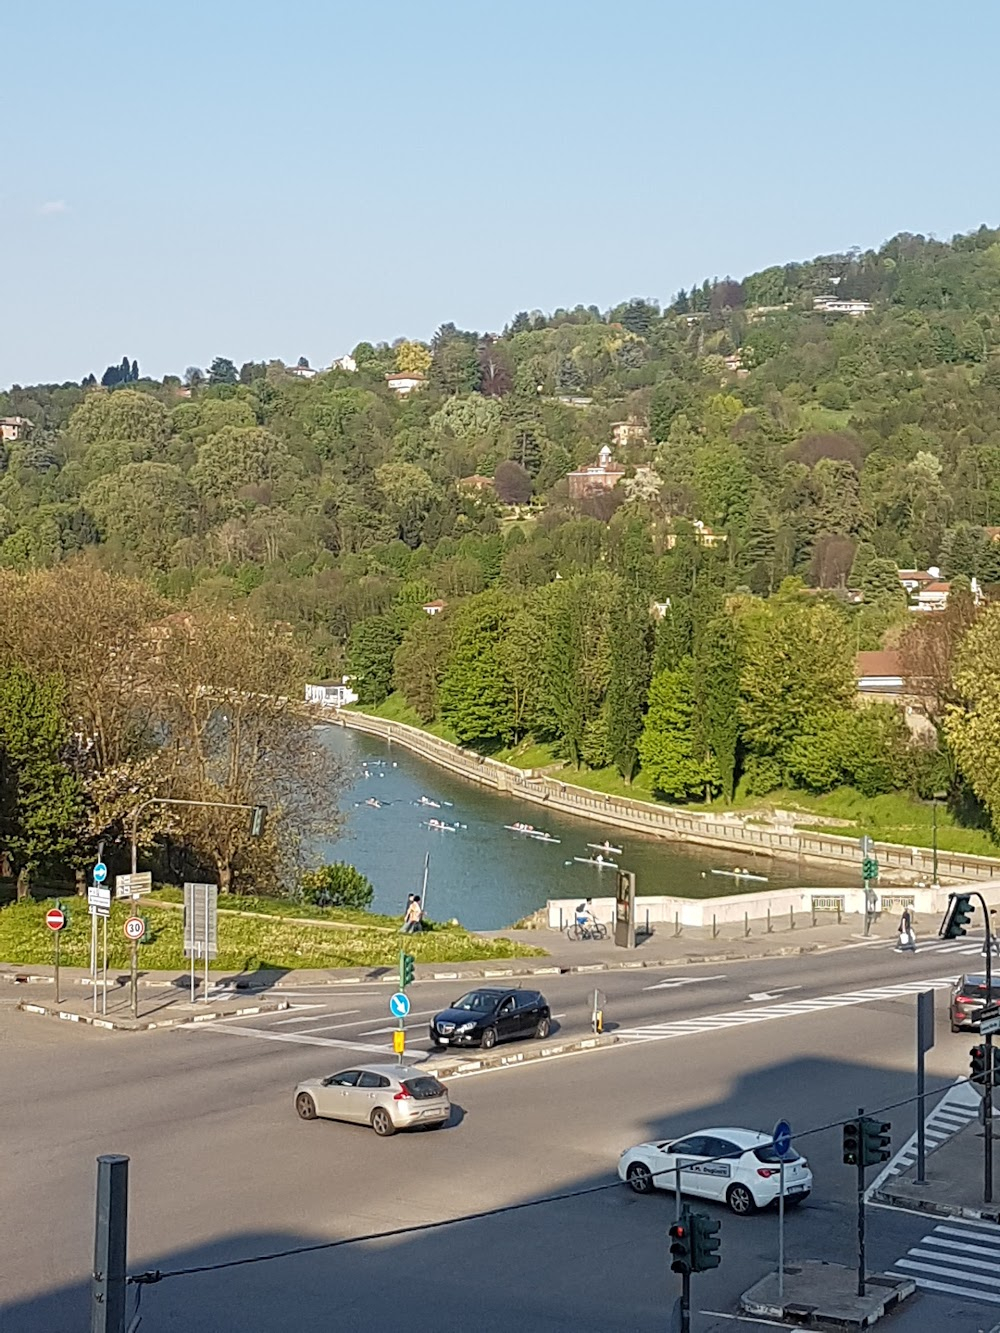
(705, 1243)
(957, 917)
(258, 816)
(680, 1247)
(875, 1141)
(405, 969)
(852, 1143)
(869, 868)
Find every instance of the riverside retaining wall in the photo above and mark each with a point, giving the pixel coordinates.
(734, 832)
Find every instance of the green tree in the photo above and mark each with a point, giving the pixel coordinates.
(371, 649)
(145, 508)
(222, 371)
(669, 746)
(475, 696)
(972, 727)
(237, 458)
(420, 662)
(717, 677)
(628, 686)
(40, 798)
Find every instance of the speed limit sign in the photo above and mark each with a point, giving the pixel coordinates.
(134, 928)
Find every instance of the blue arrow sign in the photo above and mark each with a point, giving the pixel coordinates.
(100, 872)
(782, 1138)
(399, 1004)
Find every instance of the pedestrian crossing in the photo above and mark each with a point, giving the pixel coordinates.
(742, 1017)
(959, 1106)
(967, 948)
(957, 1258)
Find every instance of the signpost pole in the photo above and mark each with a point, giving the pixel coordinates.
(861, 1203)
(192, 973)
(925, 1041)
(781, 1235)
(57, 933)
(108, 1282)
(93, 957)
(135, 978)
(104, 984)
(207, 890)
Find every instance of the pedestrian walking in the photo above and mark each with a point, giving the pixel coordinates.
(413, 922)
(907, 935)
(406, 912)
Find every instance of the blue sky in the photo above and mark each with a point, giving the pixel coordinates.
(256, 180)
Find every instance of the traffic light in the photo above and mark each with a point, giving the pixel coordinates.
(705, 1243)
(852, 1143)
(957, 917)
(680, 1247)
(405, 969)
(869, 868)
(875, 1141)
(979, 1063)
(258, 817)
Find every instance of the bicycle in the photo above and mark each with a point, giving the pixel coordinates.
(590, 930)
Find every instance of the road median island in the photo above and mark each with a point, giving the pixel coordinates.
(818, 1294)
(503, 1059)
(173, 1013)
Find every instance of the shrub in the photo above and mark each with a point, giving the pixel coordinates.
(336, 885)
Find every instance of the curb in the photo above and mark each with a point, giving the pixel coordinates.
(132, 1025)
(519, 1058)
(932, 1206)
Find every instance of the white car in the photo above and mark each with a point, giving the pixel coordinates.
(734, 1166)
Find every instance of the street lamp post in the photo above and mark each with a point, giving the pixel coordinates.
(938, 796)
(257, 828)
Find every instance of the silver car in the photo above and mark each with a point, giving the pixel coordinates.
(387, 1097)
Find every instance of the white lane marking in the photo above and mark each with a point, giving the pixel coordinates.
(671, 982)
(959, 1105)
(944, 1272)
(794, 1008)
(970, 1259)
(316, 1018)
(297, 1037)
(757, 997)
(946, 1287)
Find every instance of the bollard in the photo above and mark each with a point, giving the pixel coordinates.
(647, 920)
(769, 927)
(838, 912)
(715, 929)
(561, 926)
(791, 918)
(746, 925)
(677, 925)
(814, 915)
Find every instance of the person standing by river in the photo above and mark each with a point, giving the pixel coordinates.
(413, 922)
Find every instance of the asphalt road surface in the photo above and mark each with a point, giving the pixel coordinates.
(221, 1168)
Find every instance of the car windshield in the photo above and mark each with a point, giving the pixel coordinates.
(976, 990)
(477, 1002)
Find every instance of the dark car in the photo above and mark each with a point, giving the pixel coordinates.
(488, 1015)
(968, 995)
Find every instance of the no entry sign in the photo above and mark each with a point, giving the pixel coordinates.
(134, 928)
(55, 918)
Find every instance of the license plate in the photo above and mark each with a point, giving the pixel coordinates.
(795, 1189)
(444, 1040)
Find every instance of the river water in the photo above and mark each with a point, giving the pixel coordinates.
(489, 877)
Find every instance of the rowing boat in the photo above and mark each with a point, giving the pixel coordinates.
(440, 827)
(543, 837)
(741, 874)
(604, 847)
(595, 861)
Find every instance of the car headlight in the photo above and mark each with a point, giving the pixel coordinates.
(465, 1027)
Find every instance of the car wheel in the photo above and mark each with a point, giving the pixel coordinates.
(794, 1200)
(740, 1200)
(640, 1178)
(382, 1123)
(489, 1039)
(542, 1029)
(305, 1106)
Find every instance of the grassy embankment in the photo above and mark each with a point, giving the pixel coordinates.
(246, 943)
(896, 817)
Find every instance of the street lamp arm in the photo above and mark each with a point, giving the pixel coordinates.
(174, 800)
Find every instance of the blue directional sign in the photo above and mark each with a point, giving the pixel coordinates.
(399, 1004)
(782, 1138)
(100, 872)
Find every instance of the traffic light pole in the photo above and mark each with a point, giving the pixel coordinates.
(861, 1204)
(685, 1303)
(988, 1082)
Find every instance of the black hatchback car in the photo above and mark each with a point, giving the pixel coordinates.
(488, 1015)
(968, 995)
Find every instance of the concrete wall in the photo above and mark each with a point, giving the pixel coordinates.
(733, 832)
(784, 905)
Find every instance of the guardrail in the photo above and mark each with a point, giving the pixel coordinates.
(711, 830)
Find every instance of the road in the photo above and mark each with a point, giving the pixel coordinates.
(222, 1169)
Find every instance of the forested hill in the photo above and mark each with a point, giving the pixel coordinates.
(829, 420)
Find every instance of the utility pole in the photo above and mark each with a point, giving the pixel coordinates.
(107, 1289)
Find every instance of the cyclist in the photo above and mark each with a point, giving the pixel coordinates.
(585, 915)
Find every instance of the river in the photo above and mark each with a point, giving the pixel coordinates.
(485, 875)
